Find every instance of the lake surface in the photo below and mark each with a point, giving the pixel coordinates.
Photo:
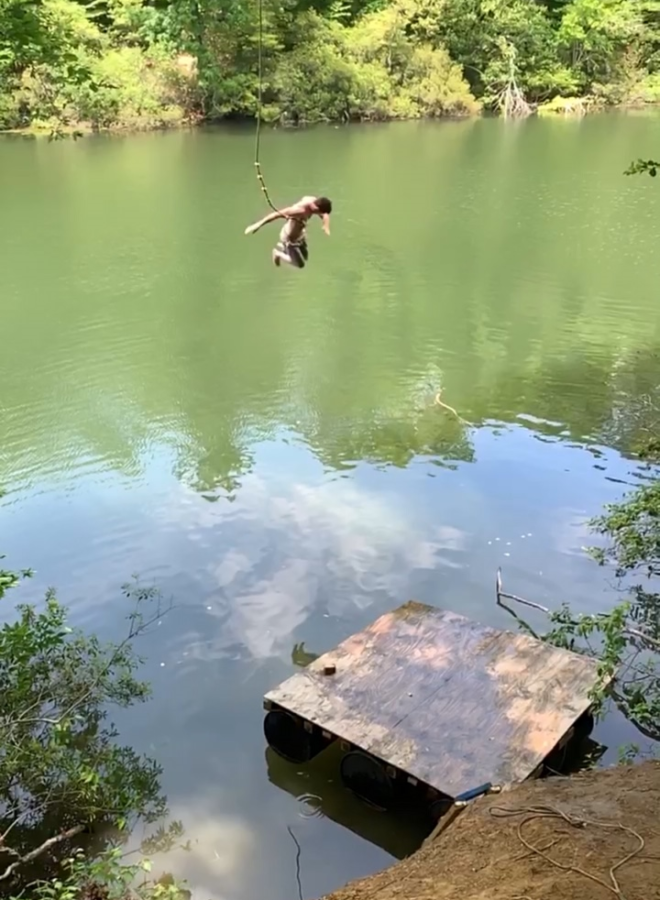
(263, 445)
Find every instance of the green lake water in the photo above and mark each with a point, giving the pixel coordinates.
(263, 444)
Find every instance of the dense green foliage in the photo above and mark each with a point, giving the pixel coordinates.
(147, 63)
(66, 785)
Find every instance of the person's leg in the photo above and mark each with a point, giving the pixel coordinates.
(298, 254)
(290, 254)
(281, 254)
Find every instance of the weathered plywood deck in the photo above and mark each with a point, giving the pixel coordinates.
(449, 701)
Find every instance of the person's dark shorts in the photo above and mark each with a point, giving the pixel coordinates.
(297, 252)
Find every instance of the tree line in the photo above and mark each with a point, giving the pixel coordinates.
(150, 63)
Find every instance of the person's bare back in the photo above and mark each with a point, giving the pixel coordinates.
(292, 245)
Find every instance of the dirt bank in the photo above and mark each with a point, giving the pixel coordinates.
(481, 856)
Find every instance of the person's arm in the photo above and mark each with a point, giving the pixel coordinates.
(286, 213)
(325, 223)
(271, 217)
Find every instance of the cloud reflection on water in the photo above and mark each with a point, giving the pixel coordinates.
(218, 852)
(286, 547)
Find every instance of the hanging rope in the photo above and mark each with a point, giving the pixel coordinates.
(257, 143)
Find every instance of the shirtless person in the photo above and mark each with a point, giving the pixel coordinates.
(292, 245)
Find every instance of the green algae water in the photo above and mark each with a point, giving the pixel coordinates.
(264, 445)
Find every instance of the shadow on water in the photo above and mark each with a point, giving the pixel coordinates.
(318, 789)
(317, 786)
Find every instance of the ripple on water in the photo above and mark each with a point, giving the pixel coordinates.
(311, 804)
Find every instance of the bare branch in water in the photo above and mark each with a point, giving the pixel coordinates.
(499, 593)
(33, 854)
(450, 409)
(633, 632)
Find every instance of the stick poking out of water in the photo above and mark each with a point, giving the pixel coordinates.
(298, 852)
(450, 409)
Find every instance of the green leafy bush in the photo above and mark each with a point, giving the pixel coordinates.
(77, 75)
(65, 781)
(372, 70)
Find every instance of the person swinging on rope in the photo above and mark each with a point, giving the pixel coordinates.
(292, 245)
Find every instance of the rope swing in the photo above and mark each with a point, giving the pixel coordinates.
(257, 143)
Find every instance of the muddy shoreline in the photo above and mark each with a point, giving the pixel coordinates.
(554, 839)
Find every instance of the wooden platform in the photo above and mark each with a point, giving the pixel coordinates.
(443, 699)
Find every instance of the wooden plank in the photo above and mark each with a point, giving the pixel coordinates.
(447, 700)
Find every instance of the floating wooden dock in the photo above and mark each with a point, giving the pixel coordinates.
(434, 700)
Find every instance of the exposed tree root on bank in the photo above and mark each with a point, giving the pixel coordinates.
(510, 99)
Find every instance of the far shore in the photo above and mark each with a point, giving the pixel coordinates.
(562, 108)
